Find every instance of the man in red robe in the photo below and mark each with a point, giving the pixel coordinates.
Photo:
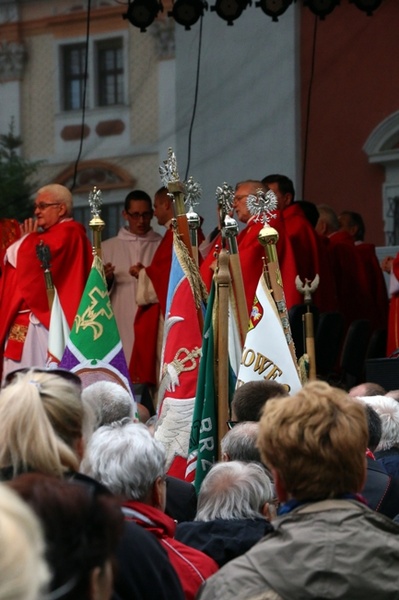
(310, 254)
(151, 295)
(24, 308)
(353, 293)
(352, 223)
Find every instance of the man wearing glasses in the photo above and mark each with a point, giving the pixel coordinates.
(134, 245)
(24, 307)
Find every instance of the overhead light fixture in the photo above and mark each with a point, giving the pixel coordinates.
(273, 8)
(141, 13)
(321, 8)
(187, 12)
(368, 6)
(229, 10)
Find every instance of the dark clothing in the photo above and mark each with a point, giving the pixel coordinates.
(223, 539)
(381, 490)
(389, 460)
(336, 549)
(181, 499)
(144, 571)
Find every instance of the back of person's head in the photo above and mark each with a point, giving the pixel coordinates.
(315, 442)
(241, 443)
(354, 224)
(111, 402)
(41, 415)
(82, 528)
(367, 389)
(388, 411)
(249, 399)
(328, 216)
(234, 490)
(309, 210)
(393, 394)
(285, 184)
(374, 426)
(137, 195)
(126, 458)
(24, 574)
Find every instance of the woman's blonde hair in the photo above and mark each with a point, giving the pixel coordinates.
(316, 440)
(41, 416)
(24, 574)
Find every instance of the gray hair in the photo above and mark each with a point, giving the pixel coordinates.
(125, 458)
(110, 401)
(328, 215)
(388, 409)
(60, 194)
(240, 443)
(234, 490)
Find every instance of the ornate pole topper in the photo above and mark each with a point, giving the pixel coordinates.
(307, 289)
(43, 254)
(229, 226)
(171, 180)
(96, 224)
(193, 196)
(262, 207)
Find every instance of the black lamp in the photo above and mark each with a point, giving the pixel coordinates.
(321, 8)
(229, 10)
(187, 12)
(368, 6)
(141, 13)
(273, 8)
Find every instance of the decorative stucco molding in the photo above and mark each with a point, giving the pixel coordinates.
(13, 57)
(163, 31)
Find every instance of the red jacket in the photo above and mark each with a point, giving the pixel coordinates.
(192, 566)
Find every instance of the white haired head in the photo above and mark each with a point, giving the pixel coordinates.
(388, 410)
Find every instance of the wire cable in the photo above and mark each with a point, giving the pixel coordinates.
(308, 103)
(195, 99)
(75, 172)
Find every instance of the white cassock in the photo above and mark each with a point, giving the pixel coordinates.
(124, 251)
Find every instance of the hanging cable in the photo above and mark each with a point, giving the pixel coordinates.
(75, 172)
(308, 103)
(195, 99)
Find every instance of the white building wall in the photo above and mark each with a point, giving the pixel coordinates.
(246, 124)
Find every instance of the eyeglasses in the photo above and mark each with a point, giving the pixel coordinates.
(44, 205)
(63, 373)
(136, 215)
(238, 198)
(231, 424)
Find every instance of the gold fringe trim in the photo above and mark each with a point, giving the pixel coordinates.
(190, 270)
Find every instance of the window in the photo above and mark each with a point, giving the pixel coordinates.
(110, 213)
(74, 57)
(106, 61)
(110, 72)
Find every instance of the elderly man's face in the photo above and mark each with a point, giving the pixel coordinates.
(48, 210)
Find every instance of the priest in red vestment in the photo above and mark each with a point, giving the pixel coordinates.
(310, 253)
(151, 295)
(25, 314)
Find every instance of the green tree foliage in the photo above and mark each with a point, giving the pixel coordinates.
(16, 183)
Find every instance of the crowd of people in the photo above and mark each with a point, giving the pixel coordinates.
(304, 499)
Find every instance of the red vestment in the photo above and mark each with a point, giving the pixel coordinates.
(251, 258)
(353, 293)
(393, 318)
(378, 294)
(23, 285)
(142, 366)
(310, 257)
